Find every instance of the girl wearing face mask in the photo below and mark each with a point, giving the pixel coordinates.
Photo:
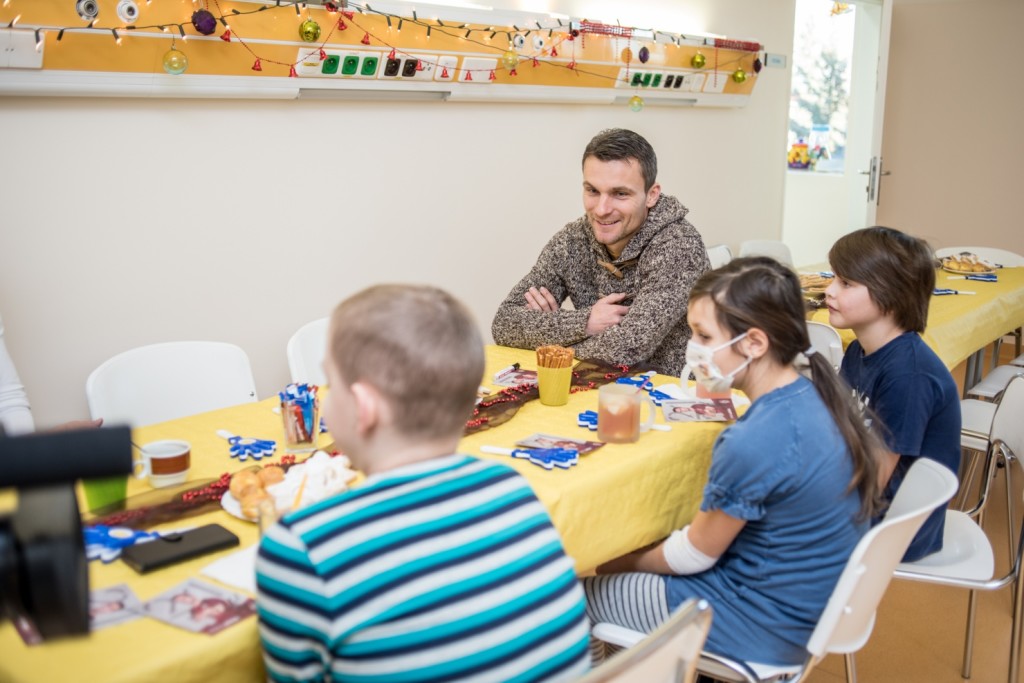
(792, 487)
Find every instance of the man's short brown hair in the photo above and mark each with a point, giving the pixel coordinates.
(898, 269)
(419, 347)
(619, 144)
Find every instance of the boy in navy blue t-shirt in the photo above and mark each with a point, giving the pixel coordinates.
(883, 285)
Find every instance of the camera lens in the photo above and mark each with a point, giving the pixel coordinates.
(87, 9)
(128, 11)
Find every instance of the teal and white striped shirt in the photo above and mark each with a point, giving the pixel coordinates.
(445, 570)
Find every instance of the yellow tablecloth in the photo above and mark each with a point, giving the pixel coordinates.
(617, 499)
(959, 325)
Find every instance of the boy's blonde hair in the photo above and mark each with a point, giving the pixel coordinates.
(418, 346)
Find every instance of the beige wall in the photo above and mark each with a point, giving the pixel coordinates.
(126, 222)
(953, 136)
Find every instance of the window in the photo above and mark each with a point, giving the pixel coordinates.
(819, 102)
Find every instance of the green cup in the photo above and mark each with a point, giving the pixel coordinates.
(102, 493)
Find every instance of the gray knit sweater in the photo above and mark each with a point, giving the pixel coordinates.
(659, 266)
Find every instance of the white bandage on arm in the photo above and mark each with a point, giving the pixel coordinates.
(681, 555)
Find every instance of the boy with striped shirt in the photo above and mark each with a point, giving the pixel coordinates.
(438, 567)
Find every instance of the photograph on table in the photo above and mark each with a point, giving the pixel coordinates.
(699, 410)
(113, 605)
(200, 607)
(552, 441)
(516, 377)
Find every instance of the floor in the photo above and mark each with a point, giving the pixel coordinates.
(919, 632)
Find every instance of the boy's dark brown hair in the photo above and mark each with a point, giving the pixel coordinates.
(898, 269)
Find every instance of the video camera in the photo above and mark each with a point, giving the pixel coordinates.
(44, 576)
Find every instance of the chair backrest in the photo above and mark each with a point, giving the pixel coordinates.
(170, 380)
(825, 340)
(719, 255)
(669, 654)
(849, 616)
(991, 254)
(1007, 425)
(774, 248)
(306, 351)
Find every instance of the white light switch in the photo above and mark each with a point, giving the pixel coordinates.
(18, 49)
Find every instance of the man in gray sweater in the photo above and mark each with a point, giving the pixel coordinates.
(627, 266)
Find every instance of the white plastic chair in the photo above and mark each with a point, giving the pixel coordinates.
(847, 620)
(306, 350)
(774, 248)
(166, 381)
(966, 559)
(668, 654)
(825, 340)
(719, 255)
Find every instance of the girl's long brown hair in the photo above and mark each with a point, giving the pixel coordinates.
(761, 292)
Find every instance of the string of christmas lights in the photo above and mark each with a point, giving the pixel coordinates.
(205, 22)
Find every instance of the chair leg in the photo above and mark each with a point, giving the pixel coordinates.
(966, 476)
(997, 346)
(1018, 612)
(972, 604)
(851, 668)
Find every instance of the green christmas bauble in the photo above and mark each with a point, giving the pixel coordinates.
(739, 75)
(636, 103)
(175, 62)
(698, 61)
(309, 30)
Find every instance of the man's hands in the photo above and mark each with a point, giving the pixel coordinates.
(605, 313)
(541, 300)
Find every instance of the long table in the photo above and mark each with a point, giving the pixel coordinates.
(960, 325)
(616, 499)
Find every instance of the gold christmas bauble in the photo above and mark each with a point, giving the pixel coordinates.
(627, 55)
(175, 62)
(309, 31)
(739, 75)
(510, 59)
(698, 61)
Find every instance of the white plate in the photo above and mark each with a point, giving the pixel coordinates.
(233, 507)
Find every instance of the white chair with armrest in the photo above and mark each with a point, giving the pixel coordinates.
(966, 559)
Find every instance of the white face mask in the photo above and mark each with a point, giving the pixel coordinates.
(701, 361)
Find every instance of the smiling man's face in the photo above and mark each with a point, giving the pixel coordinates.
(615, 200)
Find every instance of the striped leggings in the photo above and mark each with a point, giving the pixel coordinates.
(634, 600)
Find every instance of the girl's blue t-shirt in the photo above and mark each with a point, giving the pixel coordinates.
(785, 468)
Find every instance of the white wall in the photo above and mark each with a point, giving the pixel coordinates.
(126, 222)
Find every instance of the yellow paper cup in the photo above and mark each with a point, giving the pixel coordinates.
(553, 384)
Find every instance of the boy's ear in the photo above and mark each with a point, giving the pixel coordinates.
(368, 407)
(756, 343)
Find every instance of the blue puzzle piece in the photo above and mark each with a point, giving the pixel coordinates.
(105, 543)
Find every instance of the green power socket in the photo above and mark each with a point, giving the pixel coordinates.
(330, 65)
(349, 66)
(369, 66)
